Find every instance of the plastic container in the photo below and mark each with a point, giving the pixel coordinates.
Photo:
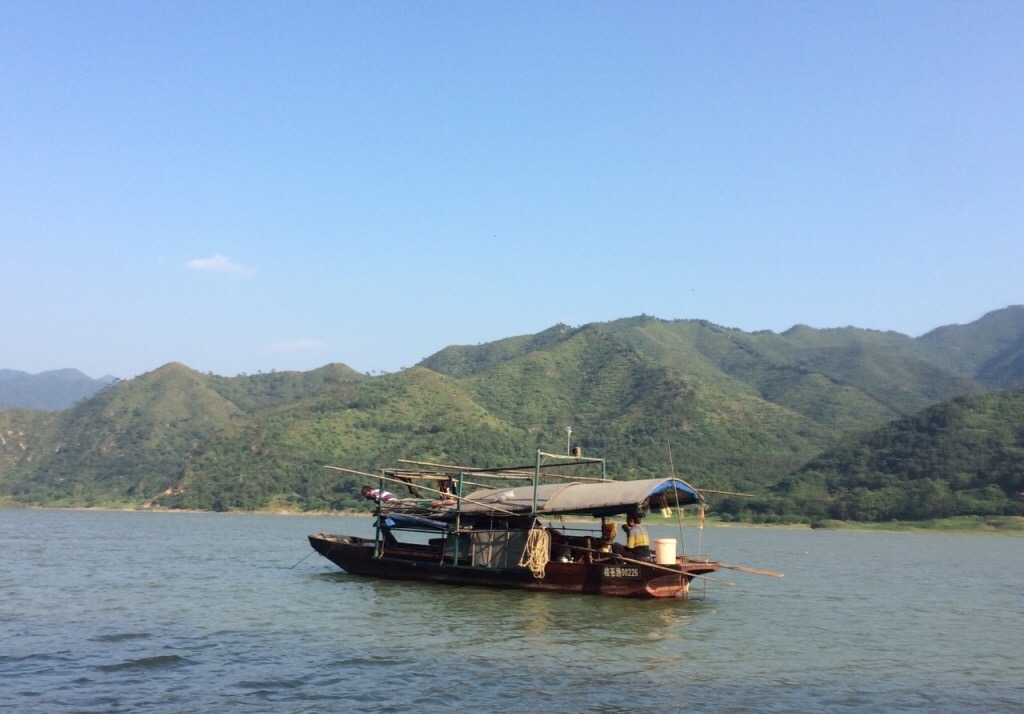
(665, 551)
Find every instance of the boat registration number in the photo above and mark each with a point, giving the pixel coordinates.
(617, 571)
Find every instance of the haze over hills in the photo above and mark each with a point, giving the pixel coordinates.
(739, 411)
(55, 389)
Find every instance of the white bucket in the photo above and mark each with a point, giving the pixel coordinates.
(665, 551)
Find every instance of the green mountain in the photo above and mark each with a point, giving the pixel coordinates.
(840, 379)
(727, 410)
(958, 458)
(132, 441)
(986, 349)
(276, 459)
(631, 409)
(124, 443)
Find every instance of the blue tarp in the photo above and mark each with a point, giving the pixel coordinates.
(404, 520)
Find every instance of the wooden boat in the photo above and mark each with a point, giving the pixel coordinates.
(496, 536)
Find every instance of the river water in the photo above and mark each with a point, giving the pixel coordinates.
(158, 612)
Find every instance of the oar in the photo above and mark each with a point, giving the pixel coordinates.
(754, 571)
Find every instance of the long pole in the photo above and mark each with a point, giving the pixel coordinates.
(679, 509)
(427, 488)
(656, 566)
(753, 571)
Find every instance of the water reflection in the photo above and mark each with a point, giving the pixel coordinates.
(548, 630)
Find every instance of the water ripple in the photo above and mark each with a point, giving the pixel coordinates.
(174, 612)
(155, 662)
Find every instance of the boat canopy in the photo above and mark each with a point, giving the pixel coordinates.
(605, 498)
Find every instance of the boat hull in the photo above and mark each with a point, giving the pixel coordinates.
(611, 576)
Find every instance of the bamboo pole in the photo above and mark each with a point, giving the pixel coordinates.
(753, 571)
(569, 460)
(427, 488)
(524, 470)
(417, 475)
(351, 471)
(728, 493)
(511, 474)
(467, 469)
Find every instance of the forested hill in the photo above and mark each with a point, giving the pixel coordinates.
(135, 439)
(963, 457)
(845, 378)
(740, 411)
(990, 349)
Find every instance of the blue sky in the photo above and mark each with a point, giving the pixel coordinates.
(253, 186)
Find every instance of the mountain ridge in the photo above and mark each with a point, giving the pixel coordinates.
(51, 390)
(741, 411)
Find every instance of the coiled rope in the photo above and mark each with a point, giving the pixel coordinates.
(536, 554)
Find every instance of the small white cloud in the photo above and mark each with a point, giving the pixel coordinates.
(218, 264)
(296, 345)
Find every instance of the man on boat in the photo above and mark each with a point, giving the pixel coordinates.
(638, 540)
(375, 494)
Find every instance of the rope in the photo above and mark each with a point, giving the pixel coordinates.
(307, 555)
(535, 555)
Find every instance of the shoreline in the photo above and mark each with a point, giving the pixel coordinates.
(959, 525)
